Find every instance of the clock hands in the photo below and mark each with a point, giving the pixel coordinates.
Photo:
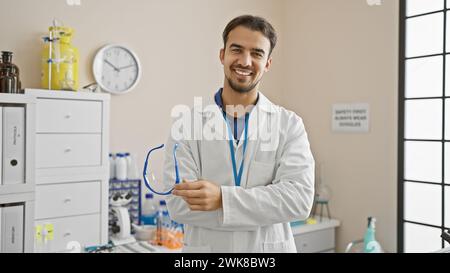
(118, 69)
(128, 66)
(115, 68)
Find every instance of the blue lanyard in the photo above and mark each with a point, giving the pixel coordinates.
(237, 177)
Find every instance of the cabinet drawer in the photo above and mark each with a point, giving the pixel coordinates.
(316, 241)
(82, 229)
(64, 150)
(67, 199)
(68, 116)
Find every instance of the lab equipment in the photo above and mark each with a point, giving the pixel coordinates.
(145, 232)
(168, 233)
(355, 246)
(9, 75)
(166, 224)
(92, 87)
(99, 249)
(127, 186)
(160, 223)
(370, 243)
(149, 210)
(121, 166)
(146, 165)
(322, 193)
(322, 204)
(59, 65)
(121, 229)
(135, 247)
(13, 161)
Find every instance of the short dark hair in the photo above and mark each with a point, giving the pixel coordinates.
(254, 23)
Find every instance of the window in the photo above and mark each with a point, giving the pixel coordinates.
(424, 125)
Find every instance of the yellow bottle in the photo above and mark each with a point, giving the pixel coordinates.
(64, 60)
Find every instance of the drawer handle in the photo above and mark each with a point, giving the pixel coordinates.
(67, 200)
(67, 234)
(67, 116)
(68, 149)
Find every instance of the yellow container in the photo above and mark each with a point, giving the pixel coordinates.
(64, 61)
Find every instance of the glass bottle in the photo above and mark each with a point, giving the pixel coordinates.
(9, 75)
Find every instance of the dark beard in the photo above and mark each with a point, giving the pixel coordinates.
(240, 89)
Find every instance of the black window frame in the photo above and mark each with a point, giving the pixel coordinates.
(401, 120)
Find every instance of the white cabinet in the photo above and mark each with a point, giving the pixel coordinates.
(70, 116)
(83, 229)
(315, 238)
(68, 150)
(72, 144)
(68, 199)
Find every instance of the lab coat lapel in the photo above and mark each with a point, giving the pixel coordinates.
(213, 121)
(259, 116)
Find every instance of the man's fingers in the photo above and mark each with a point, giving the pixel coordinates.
(196, 207)
(190, 193)
(189, 186)
(195, 201)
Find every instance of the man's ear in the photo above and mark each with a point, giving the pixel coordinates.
(268, 64)
(222, 55)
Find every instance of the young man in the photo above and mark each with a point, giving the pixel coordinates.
(241, 188)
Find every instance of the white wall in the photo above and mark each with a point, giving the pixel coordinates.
(330, 51)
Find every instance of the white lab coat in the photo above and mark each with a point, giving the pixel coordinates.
(276, 187)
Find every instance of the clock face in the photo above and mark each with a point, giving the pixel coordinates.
(116, 69)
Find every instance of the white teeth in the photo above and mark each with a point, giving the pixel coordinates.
(243, 72)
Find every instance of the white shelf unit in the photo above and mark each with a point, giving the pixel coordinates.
(72, 166)
(24, 192)
(316, 238)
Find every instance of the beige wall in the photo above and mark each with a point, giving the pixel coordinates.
(330, 51)
(345, 51)
(177, 41)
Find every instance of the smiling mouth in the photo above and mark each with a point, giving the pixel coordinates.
(243, 72)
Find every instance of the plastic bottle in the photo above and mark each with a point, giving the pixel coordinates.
(112, 167)
(370, 243)
(121, 167)
(149, 210)
(167, 223)
(168, 233)
(132, 170)
(159, 223)
(128, 158)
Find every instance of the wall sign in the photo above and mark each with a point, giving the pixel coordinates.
(351, 117)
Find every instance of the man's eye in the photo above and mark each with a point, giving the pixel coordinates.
(235, 50)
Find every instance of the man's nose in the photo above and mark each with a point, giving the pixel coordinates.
(245, 60)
